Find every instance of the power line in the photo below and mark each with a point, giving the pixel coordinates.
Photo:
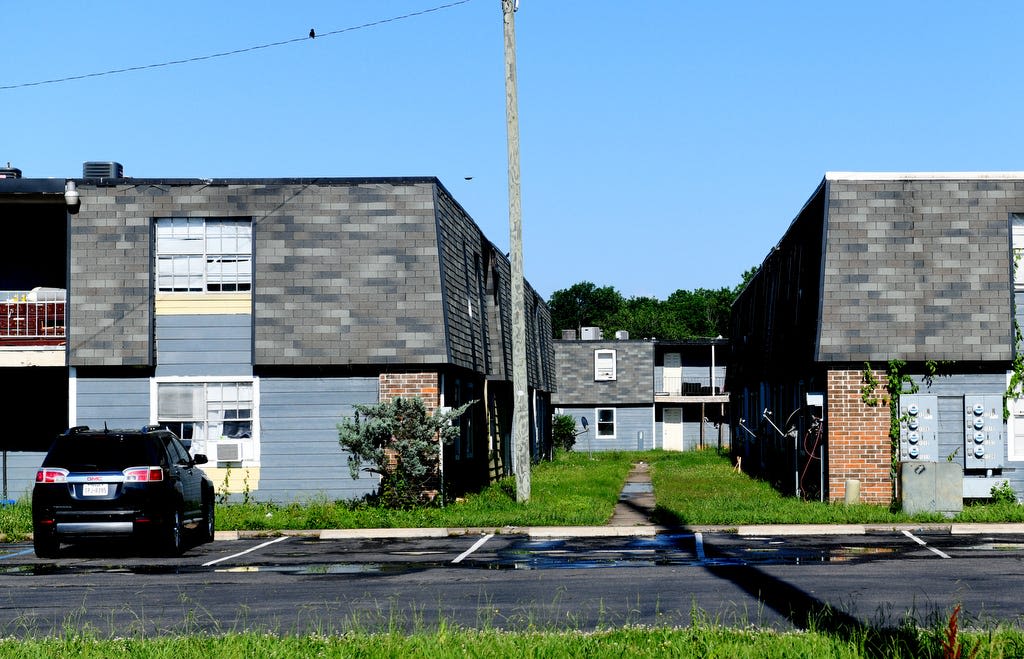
(200, 58)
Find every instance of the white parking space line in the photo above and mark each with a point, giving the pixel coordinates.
(924, 544)
(18, 553)
(243, 553)
(472, 549)
(698, 538)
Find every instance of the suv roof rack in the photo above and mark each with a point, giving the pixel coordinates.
(76, 429)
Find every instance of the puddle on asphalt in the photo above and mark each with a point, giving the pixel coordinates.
(557, 554)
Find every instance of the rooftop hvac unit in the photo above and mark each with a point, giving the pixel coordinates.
(10, 172)
(102, 170)
(590, 333)
(622, 335)
(568, 335)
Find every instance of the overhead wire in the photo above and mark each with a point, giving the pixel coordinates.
(237, 51)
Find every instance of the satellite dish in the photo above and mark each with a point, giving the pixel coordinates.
(584, 422)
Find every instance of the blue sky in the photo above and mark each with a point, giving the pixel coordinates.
(665, 144)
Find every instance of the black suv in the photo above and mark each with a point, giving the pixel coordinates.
(110, 483)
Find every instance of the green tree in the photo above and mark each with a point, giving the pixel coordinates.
(400, 442)
(645, 317)
(702, 312)
(563, 432)
(583, 305)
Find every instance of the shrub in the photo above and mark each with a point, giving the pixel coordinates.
(400, 442)
(1003, 493)
(563, 432)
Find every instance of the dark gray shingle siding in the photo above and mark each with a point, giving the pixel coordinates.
(918, 270)
(634, 383)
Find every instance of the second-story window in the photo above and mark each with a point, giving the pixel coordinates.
(196, 254)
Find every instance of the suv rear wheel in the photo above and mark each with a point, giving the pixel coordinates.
(206, 531)
(45, 544)
(171, 540)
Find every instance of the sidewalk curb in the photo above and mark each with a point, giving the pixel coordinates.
(963, 528)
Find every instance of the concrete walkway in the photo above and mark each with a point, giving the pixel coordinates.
(636, 501)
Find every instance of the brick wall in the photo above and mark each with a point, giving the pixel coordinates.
(408, 385)
(858, 438)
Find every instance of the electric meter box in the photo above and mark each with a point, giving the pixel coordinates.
(919, 431)
(984, 431)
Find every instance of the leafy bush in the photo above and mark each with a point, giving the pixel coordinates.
(1003, 493)
(563, 432)
(400, 442)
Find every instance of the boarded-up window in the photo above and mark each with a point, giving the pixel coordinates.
(604, 365)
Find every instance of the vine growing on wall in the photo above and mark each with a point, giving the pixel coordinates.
(1016, 384)
(897, 382)
(867, 392)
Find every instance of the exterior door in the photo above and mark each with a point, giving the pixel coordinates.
(672, 429)
(673, 374)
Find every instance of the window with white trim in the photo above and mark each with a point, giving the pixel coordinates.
(197, 254)
(1015, 429)
(206, 412)
(1017, 248)
(604, 365)
(605, 422)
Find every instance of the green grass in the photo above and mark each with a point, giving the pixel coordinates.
(576, 489)
(701, 487)
(696, 641)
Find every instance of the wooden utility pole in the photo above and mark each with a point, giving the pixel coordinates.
(520, 385)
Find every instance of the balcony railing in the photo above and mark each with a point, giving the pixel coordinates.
(675, 386)
(30, 317)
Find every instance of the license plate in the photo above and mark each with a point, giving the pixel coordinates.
(94, 489)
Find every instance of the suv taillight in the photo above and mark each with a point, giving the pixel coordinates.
(143, 474)
(51, 475)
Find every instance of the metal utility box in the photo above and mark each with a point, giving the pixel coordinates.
(919, 439)
(930, 487)
(984, 431)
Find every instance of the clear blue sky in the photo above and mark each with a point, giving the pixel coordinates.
(666, 144)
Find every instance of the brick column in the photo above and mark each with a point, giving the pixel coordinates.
(408, 385)
(858, 438)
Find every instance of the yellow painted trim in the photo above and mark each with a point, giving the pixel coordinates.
(177, 304)
(239, 479)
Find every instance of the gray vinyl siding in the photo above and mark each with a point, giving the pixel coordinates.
(117, 402)
(950, 391)
(21, 473)
(629, 423)
(300, 455)
(692, 421)
(204, 344)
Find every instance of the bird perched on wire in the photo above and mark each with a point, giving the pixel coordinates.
(312, 33)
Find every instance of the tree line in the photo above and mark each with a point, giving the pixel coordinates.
(685, 314)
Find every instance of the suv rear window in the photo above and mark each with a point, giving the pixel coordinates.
(101, 452)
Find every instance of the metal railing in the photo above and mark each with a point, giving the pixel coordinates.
(34, 315)
(674, 385)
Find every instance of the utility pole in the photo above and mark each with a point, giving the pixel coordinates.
(520, 385)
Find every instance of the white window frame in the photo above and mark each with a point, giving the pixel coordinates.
(598, 422)
(602, 371)
(211, 420)
(201, 255)
(1017, 250)
(1014, 426)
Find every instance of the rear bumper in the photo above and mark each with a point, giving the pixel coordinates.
(80, 529)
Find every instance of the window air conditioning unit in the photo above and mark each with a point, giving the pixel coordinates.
(227, 451)
(102, 170)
